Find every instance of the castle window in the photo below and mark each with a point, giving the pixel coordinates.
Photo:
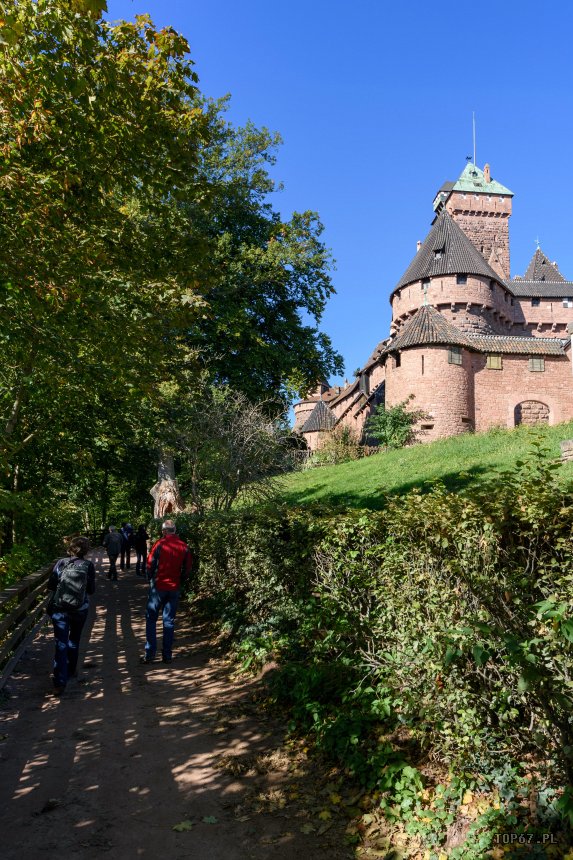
(397, 360)
(511, 300)
(568, 302)
(461, 279)
(535, 302)
(439, 253)
(426, 284)
(493, 362)
(537, 364)
(455, 355)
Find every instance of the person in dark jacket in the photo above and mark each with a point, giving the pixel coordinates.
(113, 542)
(140, 544)
(169, 565)
(68, 624)
(126, 533)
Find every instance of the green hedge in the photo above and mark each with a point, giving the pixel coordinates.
(447, 617)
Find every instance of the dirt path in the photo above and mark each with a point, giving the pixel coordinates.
(130, 751)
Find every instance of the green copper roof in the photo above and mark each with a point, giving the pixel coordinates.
(472, 179)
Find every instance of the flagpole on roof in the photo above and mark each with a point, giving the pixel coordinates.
(474, 130)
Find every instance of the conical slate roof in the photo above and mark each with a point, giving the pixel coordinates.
(427, 326)
(321, 418)
(446, 251)
(541, 269)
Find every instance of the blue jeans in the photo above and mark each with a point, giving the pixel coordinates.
(67, 632)
(167, 602)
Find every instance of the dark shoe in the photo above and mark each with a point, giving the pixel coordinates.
(114, 579)
(167, 659)
(109, 576)
(145, 660)
(58, 691)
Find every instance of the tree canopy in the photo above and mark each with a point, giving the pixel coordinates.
(139, 250)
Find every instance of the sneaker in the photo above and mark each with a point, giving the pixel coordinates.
(167, 659)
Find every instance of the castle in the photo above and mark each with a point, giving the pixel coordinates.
(475, 347)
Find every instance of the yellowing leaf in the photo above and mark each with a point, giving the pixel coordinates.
(324, 815)
(335, 798)
(467, 798)
(183, 826)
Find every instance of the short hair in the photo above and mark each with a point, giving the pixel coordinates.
(169, 527)
(113, 528)
(79, 546)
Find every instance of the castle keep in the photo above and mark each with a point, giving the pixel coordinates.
(475, 347)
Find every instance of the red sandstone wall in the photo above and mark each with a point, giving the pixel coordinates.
(479, 305)
(443, 391)
(549, 319)
(485, 221)
(498, 392)
(483, 306)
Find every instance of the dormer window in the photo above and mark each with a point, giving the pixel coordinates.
(461, 279)
(438, 253)
(535, 302)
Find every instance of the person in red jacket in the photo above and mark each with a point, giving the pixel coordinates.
(168, 566)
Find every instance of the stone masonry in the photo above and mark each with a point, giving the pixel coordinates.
(473, 347)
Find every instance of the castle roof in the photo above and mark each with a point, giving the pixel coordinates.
(510, 344)
(540, 289)
(429, 326)
(542, 269)
(426, 326)
(321, 418)
(446, 250)
(473, 180)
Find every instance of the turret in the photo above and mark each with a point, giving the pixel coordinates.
(482, 207)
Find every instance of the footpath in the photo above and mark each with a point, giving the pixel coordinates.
(131, 752)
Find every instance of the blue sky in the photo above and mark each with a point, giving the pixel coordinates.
(374, 102)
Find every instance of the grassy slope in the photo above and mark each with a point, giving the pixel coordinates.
(457, 462)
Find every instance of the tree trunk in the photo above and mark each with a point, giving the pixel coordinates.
(166, 493)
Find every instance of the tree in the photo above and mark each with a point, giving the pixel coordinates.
(394, 427)
(230, 449)
(270, 277)
(100, 128)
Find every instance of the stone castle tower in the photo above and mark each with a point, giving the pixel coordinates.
(474, 347)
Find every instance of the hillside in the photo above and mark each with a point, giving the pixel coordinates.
(457, 462)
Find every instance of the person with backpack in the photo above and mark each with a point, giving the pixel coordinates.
(72, 579)
(126, 533)
(113, 543)
(169, 565)
(140, 544)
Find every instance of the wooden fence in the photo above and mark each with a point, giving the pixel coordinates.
(22, 613)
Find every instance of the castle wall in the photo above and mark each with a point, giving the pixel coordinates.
(548, 319)
(302, 410)
(443, 391)
(485, 221)
(480, 305)
(499, 392)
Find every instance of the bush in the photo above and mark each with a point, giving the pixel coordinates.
(394, 427)
(446, 616)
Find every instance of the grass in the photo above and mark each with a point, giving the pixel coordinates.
(457, 462)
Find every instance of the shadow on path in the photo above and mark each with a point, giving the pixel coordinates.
(129, 751)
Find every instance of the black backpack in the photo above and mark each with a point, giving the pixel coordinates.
(70, 594)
